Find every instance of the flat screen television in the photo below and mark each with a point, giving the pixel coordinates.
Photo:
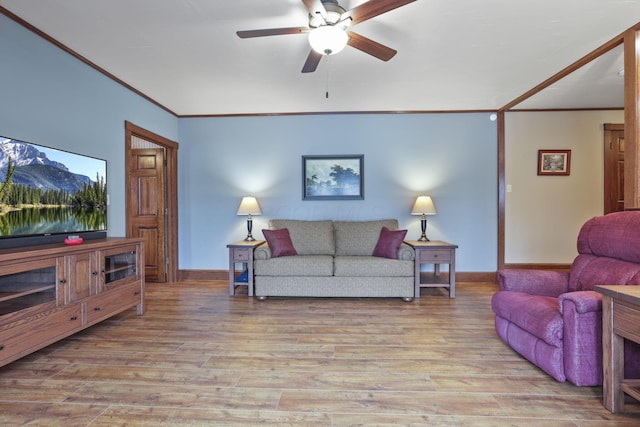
(48, 194)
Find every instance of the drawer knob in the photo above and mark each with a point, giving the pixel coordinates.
(1, 347)
(73, 318)
(63, 281)
(96, 309)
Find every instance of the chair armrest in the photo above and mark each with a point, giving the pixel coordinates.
(262, 252)
(535, 282)
(581, 313)
(406, 252)
(584, 301)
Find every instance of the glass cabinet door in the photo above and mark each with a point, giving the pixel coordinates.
(28, 285)
(120, 266)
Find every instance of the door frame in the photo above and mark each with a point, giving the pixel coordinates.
(171, 199)
(611, 166)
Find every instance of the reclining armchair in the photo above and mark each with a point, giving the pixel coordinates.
(554, 318)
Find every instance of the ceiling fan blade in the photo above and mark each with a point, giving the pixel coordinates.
(315, 6)
(312, 62)
(371, 9)
(271, 32)
(371, 47)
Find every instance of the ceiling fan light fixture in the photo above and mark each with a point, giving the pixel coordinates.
(328, 40)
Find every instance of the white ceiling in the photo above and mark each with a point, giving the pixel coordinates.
(452, 54)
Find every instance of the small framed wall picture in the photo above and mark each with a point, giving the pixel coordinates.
(333, 177)
(554, 162)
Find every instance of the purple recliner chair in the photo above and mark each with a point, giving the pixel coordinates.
(554, 319)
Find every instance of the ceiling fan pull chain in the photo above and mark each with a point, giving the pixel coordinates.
(328, 62)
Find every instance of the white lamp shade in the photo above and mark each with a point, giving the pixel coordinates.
(423, 206)
(249, 206)
(328, 40)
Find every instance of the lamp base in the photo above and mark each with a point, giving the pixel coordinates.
(249, 237)
(423, 226)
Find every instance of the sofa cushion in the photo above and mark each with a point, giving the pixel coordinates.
(279, 242)
(370, 266)
(308, 237)
(299, 265)
(538, 315)
(359, 237)
(388, 243)
(588, 271)
(616, 235)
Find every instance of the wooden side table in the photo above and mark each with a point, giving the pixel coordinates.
(241, 252)
(434, 252)
(620, 321)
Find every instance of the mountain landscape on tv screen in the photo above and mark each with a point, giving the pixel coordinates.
(35, 169)
(42, 192)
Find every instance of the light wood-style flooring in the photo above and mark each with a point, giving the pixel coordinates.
(201, 357)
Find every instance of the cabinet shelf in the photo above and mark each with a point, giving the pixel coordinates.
(115, 269)
(6, 296)
(632, 388)
(430, 279)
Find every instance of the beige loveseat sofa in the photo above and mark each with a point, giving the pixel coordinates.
(334, 259)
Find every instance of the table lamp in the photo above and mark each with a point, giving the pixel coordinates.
(423, 206)
(249, 206)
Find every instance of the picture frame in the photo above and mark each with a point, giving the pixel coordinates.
(554, 162)
(337, 177)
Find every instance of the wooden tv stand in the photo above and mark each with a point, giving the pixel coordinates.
(52, 291)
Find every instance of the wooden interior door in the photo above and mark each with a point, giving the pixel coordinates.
(613, 168)
(147, 217)
(148, 221)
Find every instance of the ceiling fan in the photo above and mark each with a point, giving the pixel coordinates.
(328, 29)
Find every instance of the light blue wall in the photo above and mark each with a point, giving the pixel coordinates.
(50, 98)
(452, 157)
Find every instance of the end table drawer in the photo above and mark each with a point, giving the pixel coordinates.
(436, 255)
(241, 255)
(625, 320)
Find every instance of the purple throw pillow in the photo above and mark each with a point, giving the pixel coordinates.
(389, 242)
(279, 242)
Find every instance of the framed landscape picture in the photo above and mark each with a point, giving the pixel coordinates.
(554, 162)
(333, 177)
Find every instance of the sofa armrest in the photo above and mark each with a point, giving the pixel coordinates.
(583, 301)
(406, 252)
(262, 252)
(582, 341)
(535, 282)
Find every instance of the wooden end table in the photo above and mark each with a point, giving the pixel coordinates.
(241, 252)
(620, 321)
(434, 252)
